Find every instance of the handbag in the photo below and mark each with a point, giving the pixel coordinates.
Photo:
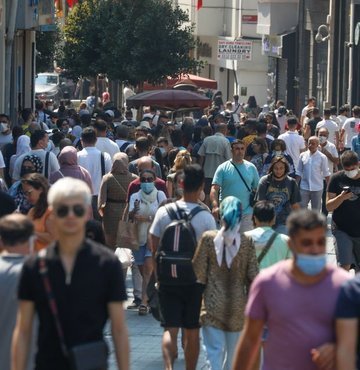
(251, 191)
(86, 356)
(127, 234)
(125, 256)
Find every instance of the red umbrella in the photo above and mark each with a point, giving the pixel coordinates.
(169, 99)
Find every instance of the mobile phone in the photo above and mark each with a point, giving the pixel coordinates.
(346, 188)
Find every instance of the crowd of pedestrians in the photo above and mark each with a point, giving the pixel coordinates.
(229, 213)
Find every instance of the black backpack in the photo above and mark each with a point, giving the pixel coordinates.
(177, 247)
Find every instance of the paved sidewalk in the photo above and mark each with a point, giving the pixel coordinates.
(145, 333)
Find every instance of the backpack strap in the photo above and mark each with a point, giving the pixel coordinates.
(195, 211)
(102, 159)
(171, 209)
(46, 173)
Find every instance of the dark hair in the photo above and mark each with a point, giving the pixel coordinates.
(263, 144)
(162, 139)
(327, 112)
(88, 135)
(315, 110)
(236, 142)
(252, 102)
(333, 109)
(194, 178)
(305, 219)
(264, 211)
(26, 113)
(36, 136)
(349, 158)
(292, 121)
(60, 121)
(15, 229)
(176, 137)
(85, 119)
(261, 128)
(39, 105)
(142, 144)
(343, 109)
(356, 110)
(231, 129)
(278, 142)
(100, 125)
(94, 231)
(38, 181)
(122, 131)
(278, 159)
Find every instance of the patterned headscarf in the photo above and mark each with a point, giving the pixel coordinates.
(35, 160)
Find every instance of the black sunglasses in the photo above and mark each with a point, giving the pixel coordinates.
(146, 179)
(77, 209)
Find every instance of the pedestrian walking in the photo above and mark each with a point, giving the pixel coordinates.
(74, 286)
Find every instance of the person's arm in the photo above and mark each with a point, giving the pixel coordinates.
(307, 132)
(48, 235)
(214, 200)
(337, 139)
(333, 159)
(154, 243)
(346, 334)
(22, 335)
(120, 334)
(248, 345)
(334, 201)
(341, 136)
(324, 356)
(169, 186)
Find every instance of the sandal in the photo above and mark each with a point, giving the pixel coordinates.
(143, 310)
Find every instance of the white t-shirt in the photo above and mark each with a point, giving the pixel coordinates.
(106, 145)
(331, 148)
(2, 163)
(331, 126)
(90, 159)
(202, 222)
(350, 127)
(294, 145)
(341, 120)
(5, 139)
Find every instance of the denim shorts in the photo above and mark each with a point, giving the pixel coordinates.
(140, 255)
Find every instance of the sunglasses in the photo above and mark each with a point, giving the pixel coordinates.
(78, 210)
(146, 179)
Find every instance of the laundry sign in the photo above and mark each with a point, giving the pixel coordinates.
(235, 50)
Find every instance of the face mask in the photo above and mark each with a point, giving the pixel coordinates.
(311, 265)
(65, 130)
(4, 127)
(278, 152)
(163, 151)
(322, 139)
(147, 187)
(50, 107)
(352, 174)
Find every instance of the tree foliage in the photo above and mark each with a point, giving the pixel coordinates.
(46, 45)
(135, 40)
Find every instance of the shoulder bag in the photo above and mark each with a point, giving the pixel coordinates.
(267, 247)
(252, 192)
(127, 233)
(87, 356)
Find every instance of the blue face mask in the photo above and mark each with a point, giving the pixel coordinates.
(147, 187)
(309, 264)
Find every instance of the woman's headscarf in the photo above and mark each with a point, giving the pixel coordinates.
(120, 164)
(228, 236)
(35, 160)
(68, 157)
(76, 132)
(23, 145)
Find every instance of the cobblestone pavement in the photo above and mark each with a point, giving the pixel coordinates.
(145, 334)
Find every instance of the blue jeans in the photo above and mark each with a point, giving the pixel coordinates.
(219, 347)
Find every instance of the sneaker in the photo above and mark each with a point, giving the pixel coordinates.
(134, 305)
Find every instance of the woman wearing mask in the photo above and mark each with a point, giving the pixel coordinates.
(260, 148)
(35, 187)
(225, 262)
(31, 164)
(278, 148)
(142, 208)
(281, 190)
(112, 196)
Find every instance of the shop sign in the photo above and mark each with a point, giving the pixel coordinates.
(235, 50)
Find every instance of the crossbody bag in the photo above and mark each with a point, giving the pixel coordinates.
(267, 247)
(87, 356)
(252, 192)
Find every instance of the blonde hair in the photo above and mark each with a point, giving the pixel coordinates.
(182, 159)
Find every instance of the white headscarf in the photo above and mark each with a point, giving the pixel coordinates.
(230, 240)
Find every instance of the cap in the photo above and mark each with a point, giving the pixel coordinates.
(110, 113)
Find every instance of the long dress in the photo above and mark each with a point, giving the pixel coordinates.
(112, 200)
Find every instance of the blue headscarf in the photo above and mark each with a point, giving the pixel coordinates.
(231, 212)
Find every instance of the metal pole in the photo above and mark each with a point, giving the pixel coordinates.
(351, 42)
(329, 71)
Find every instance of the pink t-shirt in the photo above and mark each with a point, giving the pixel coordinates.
(299, 317)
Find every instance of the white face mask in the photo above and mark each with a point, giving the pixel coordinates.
(4, 127)
(278, 152)
(322, 139)
(352, 174)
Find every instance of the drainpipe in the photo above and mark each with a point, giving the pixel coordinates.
(9, 51)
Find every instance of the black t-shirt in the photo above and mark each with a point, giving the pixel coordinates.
(313, 123)
(346, 215)
(96, 280)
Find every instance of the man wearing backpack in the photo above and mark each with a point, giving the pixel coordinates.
(174, 233)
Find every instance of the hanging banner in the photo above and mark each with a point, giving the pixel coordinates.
(235, 50)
